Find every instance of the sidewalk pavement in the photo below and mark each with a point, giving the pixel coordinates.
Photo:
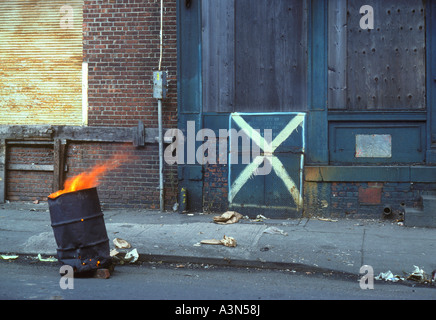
(310, 244)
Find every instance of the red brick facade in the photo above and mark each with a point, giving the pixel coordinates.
(121, 47)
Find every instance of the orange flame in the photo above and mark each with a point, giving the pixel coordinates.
(91, 179)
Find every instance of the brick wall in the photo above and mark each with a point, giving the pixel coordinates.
(215, 188)
(121, 47)
(28, 185)
(134, 183)
(362, 199)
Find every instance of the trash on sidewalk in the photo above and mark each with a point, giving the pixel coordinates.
(228, 217)
(327, 219)
(259, 218)
(132, 256)
(388, 276)
(226, 241)
(49, 259)
(129, 257)
(8, 257)
(121, 243)
(274, 230)
(419, 275)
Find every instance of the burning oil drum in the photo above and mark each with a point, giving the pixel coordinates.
(79, 230)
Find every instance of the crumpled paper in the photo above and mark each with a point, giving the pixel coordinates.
(226, 241)
(132, 256)
(228, 217)
(388, 276)
(274, 230)
(121, 243)
(419, 275)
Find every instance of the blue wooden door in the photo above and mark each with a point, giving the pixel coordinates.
(269, 181)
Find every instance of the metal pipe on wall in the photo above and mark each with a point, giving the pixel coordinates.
(159, 115)
(161, 187)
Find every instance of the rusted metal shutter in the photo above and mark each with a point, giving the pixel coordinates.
(41, 62)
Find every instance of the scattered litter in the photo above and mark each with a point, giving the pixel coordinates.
(121, 244)
(113, 252)
(175, 207)
(49, 259)
(327, 219)
(226, 241)
(274, 230)
(388, 276)
(259, 218)
(190, 214)
(131, 256)
(419, 275)
(211, 241)
(228, 217)
(8, 257)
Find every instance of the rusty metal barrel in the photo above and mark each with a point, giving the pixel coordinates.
(79, 229)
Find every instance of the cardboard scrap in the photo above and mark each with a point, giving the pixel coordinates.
(121, 244)
(228, 217)
(226, 241)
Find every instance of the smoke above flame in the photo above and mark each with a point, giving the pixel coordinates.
(91, 178)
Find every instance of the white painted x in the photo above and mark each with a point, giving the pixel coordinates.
(268, 150)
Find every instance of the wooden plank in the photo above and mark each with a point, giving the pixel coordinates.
(29, 167)
(218, 55)
(43, 134)
(357, 173)
(431, 80)
(189, 88)
(58, 164)
(271, 58)
(337, 54)
(386, 65)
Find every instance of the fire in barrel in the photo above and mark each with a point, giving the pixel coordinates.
(77, 220)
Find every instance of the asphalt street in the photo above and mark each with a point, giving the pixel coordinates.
(25, 279)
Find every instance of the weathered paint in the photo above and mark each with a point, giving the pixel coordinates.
(254, 56)
(373, 69)
(41, 62)
(280, 169)
(373, 146)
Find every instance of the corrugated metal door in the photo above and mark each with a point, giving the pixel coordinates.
(41, 62)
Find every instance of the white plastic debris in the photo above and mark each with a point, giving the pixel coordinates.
(8, 257)
(388, 276)
(274, 230)
(132, 256)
